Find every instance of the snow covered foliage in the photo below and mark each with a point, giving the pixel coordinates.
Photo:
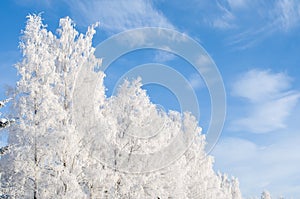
(4, 122)
(50, 158)
(45, 160)
(265, 195)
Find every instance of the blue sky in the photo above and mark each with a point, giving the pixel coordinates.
(254, 43)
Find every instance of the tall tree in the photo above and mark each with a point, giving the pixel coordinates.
(44, 160)
(26, 164)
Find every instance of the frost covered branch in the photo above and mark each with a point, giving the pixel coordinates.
(4, 122)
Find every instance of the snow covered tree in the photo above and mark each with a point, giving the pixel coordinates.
(265, 195)
(44, 159)
(235, 189)
(130, 115)
(50, 158)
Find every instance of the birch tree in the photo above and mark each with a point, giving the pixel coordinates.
(44, 161)
(50, 158)
(123, 117)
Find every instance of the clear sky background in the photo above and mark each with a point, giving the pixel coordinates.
(254, 43)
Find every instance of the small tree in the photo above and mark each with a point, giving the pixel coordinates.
(265, 195)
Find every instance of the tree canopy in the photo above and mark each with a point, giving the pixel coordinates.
(50, 157)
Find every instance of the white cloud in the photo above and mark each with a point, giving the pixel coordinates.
(116, 16)
(267, 116)
(267, 18)
(225, 20)
(204, 62)
(261, 85)
(237, 4)
(163, 56)
(262, 167)
(269, 101)
(286, 14)
(196, 81)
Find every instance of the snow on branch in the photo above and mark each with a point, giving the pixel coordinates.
(3, 102)
(3, 150)
(4, 122)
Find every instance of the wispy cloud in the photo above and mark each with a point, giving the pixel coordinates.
(286, 14)
(261, 85)
(238, 4)
(163, 56)
(224, 19)
(116, 16)
(267, 116)
(267, 17)
(273, 167)
(269, 99)
(196, 81)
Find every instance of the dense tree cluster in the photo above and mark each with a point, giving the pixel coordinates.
(49, 157)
